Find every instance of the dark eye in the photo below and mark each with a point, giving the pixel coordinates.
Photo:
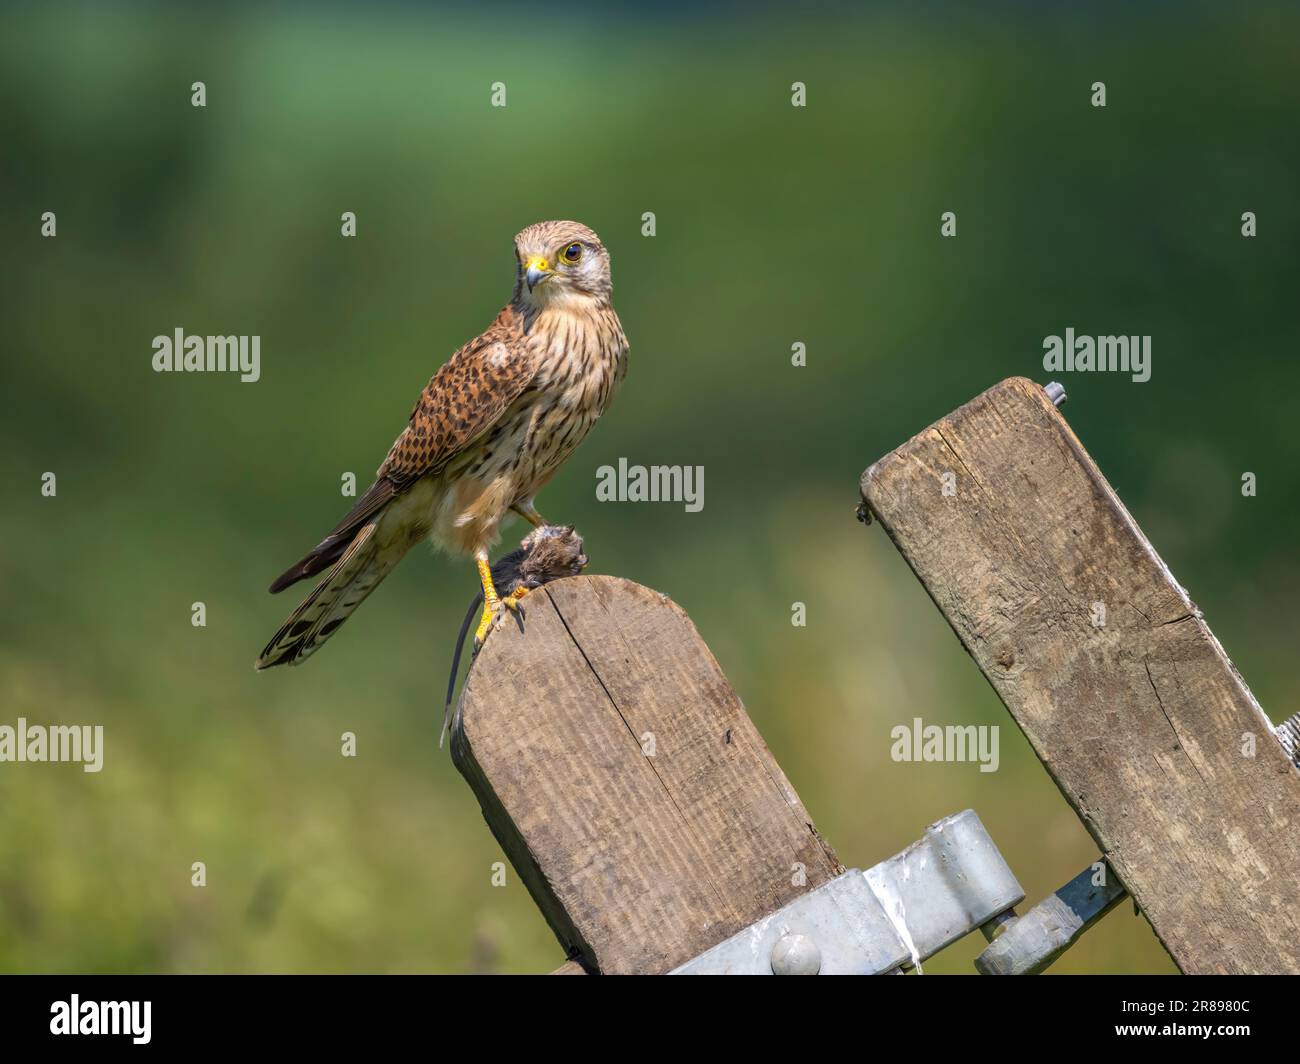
(573, 253)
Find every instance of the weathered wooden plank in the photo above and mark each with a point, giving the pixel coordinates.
(1142, 720)
(625, 781)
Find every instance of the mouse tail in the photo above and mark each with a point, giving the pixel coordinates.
(474, 605)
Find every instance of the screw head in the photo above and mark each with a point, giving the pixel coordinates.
(796, 955)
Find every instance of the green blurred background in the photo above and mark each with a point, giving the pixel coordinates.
(775, 225)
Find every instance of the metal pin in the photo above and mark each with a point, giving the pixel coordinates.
(998, 924)
(796, 955)
(1288, 734)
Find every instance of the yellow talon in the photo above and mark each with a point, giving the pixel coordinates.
(492, 602)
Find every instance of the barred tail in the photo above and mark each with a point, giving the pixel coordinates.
(357, 573)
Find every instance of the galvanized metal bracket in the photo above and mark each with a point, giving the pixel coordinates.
(838, 929)
(1028, 944)
(893, 916)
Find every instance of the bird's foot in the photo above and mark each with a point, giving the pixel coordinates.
(495, 610)
(511, 602)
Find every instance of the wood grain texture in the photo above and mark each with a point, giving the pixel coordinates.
(639, 861)
(1142, 722)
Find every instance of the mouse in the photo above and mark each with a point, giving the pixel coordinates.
(545, 554)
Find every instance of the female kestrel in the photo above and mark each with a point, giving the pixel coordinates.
(491, 428)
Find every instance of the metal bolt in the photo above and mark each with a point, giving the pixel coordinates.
(1288, 734)
(796, 955)
(1055, 392)
(998, 924)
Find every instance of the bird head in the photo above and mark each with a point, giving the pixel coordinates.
(561, 262)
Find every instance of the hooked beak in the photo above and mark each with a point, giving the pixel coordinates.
(536, 270)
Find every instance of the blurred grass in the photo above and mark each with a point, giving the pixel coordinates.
(774, 225)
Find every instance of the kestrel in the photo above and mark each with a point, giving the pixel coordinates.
(490, 429)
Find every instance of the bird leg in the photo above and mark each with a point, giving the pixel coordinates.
(492, 602)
